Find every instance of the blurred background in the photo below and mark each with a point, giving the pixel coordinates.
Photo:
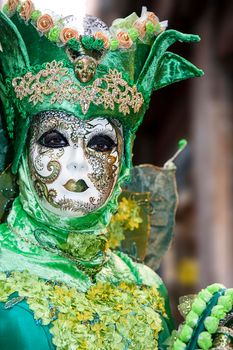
(199, 110)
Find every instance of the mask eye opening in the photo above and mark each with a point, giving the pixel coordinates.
(53, 139)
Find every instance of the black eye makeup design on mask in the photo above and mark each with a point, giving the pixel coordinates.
(53, 139)
(101, 143)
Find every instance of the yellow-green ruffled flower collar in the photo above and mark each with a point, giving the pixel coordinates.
(123, 316)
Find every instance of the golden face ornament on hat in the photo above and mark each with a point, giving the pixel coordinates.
(85, 68)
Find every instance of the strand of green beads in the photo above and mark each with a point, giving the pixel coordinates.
(211, 322)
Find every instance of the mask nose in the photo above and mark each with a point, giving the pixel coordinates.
(77, 161)
(73, 166)
(77, 166)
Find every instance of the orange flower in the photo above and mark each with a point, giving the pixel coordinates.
(26, 10)
(67, 34)
(140, 24)
(124, 40)
(102, 36)
(12, 5)
(44, 23)
(152, 18)
(141, 27)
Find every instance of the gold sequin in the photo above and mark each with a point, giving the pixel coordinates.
(185, 304)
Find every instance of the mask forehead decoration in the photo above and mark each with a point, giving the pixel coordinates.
(74, 164)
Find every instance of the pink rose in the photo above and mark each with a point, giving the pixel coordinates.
(44, 23)
(102, 36)
(26, 10)
(12, 5)
(141, 27)
(124, 39)
(151, 16)
(67, 34)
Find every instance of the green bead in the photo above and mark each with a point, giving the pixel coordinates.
(205, 295)
(192, 319)
(198, 306)
(218, 312)
(226, 302)
(157, 27)
(213, 288)
(5, 9)
(185, 333)
(182, 143)
(229, 292)
(114, 44)
(35, 15)
(204, 340)
(150, 28)
(133, 33)
(54, 34)
(211, 324)
(179, 345)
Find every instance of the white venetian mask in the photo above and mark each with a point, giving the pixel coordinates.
(74, 164)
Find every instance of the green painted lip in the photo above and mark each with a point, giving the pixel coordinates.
(76, 186)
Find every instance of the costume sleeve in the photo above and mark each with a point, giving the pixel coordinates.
(19, 330)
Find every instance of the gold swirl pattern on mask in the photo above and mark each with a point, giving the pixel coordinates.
(43, 192)
(57, 82)
(55, 168)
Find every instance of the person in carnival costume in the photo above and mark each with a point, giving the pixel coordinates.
(72, 98)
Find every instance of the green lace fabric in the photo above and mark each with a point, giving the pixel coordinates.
(107, 316)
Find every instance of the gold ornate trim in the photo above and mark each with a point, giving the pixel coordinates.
(56, 81)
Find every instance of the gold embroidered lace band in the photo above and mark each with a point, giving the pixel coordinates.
(55, 80)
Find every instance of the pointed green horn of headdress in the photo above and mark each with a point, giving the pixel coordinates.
(13, 57)
(162, 67)
(13, 54)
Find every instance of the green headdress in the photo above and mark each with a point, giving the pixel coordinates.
(41, 60)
